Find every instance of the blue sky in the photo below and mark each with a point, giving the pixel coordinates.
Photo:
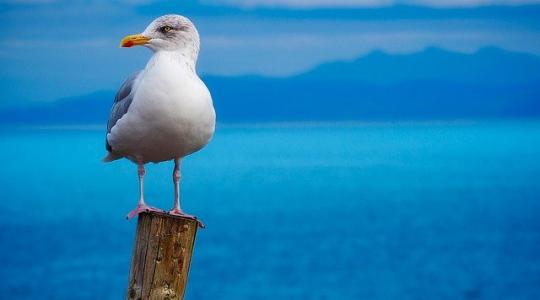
(54, 49)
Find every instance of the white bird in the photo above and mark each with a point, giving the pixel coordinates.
(165, 111)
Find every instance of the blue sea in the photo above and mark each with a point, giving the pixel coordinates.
(293, 211)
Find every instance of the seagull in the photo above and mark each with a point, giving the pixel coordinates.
(163, 112)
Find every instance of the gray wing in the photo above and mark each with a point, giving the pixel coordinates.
(121, 104)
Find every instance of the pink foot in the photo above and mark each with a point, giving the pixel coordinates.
(141, 208)
(180, 213)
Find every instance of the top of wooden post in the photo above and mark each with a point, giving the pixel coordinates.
(161, 256)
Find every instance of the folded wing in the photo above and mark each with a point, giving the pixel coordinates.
(121, 104)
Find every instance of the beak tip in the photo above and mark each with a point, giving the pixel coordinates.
(133, 40)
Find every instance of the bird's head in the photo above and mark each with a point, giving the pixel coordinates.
(169, 33)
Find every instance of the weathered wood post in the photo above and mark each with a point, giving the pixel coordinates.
(161, 256)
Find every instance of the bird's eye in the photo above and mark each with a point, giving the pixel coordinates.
(165, 29)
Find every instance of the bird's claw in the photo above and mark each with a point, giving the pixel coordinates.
(180, 213)
(141, 208)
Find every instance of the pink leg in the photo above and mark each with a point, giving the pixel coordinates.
(177, 210)
(141, 207)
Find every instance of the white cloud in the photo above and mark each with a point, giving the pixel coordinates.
(300, 3)
(367, 3)
(269, 48)
(28, 1)
(467, 3)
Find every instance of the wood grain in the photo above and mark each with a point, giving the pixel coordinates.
(161, 257)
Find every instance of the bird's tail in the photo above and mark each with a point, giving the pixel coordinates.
(110, 157)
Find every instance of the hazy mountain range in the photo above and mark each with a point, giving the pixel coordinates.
(428, 85)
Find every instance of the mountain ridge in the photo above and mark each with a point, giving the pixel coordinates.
(430, 84)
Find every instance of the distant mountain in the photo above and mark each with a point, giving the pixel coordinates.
(432, 84)
(91, 108)
(487, 66)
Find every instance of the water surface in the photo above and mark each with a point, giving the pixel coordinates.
(365, 211)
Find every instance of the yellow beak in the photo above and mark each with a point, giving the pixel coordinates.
(134, 40)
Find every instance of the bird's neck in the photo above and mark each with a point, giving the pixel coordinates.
(185, 57)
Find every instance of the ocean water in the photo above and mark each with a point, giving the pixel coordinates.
(351, 211)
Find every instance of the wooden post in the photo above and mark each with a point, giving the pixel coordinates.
(161, 256)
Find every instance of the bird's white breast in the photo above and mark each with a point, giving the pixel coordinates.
(171, 114)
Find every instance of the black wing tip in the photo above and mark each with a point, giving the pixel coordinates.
(108, 146)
